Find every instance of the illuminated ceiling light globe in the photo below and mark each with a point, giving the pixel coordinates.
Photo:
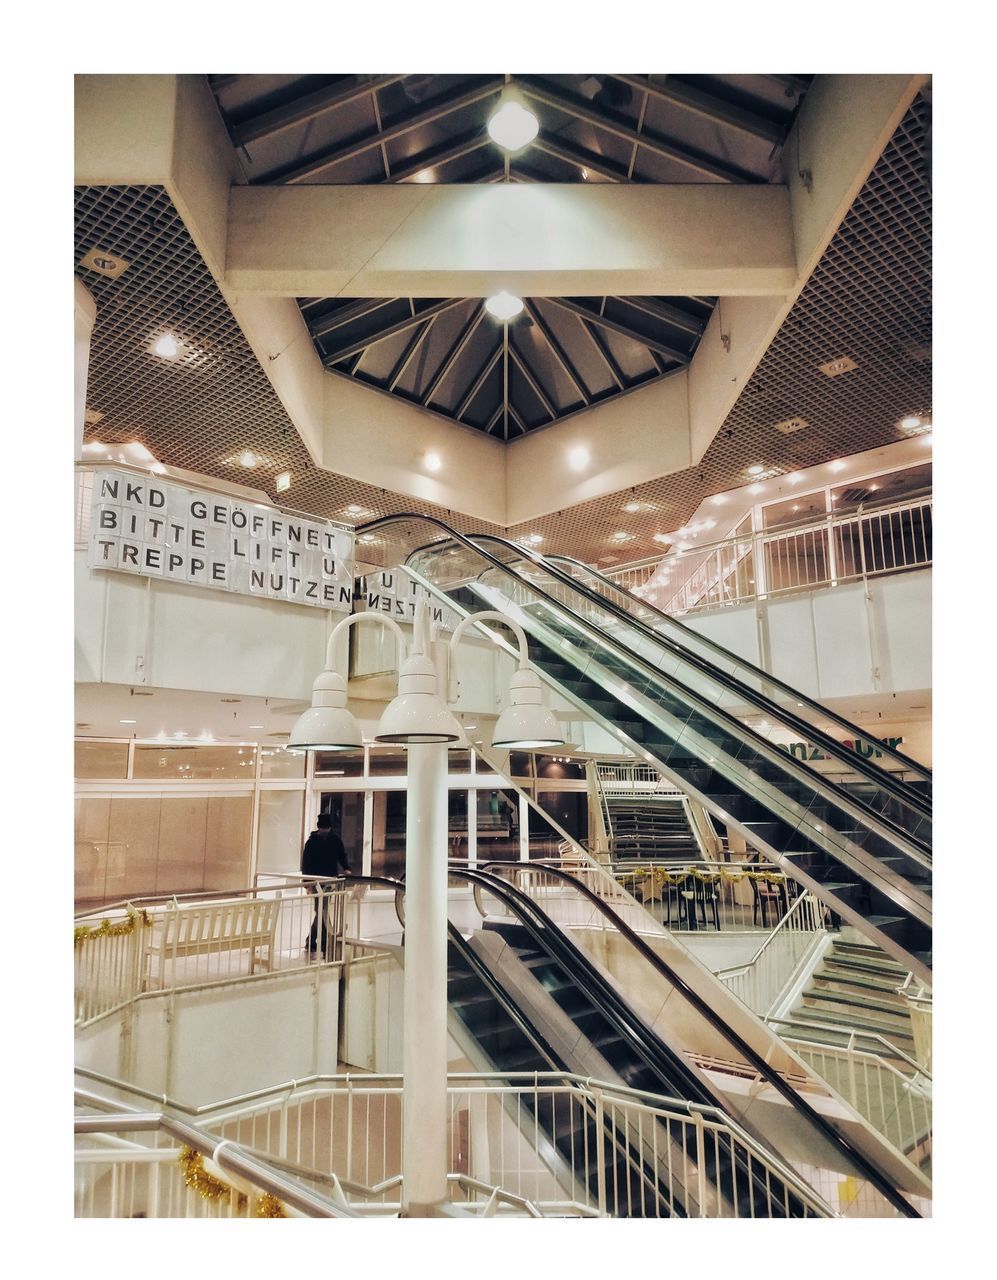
(432, 461)
(526, 722)
(756, 470)
(247, 459)
(910, 423)
(579, 458)
(504, 306)
(167, 347)
(513, 126)
(328, 724)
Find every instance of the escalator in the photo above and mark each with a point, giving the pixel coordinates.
(643, 1169)
(490, 993)
(868, 858)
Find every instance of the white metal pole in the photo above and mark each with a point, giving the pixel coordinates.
(424, 1058)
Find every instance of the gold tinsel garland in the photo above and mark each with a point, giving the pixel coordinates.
(661, 875)
(208, 1188)
(87, 932)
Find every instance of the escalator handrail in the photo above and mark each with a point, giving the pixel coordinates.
(829, 791)
(816, 736)
(796, 722)
(718, 1024)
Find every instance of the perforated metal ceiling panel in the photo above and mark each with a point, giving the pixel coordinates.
(869, 298)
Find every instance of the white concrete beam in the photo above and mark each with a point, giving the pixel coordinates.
(381, 440)
(537, 240)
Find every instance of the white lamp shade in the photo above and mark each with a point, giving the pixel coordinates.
(327, 725)
(418, 714)
(526, 722)
(513, 126)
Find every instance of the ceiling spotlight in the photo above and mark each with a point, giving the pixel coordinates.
(432, 461)
(513, 126)
(248, 459)
(632, 506)
(504, 306)
(756, 470)
(579, 457)
(837, 465)
(167, 347)
(910, 423)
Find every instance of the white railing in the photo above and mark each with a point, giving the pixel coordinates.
(127, 949)
(549, 1143)
(761, 981)
(896, 1104)
(919, 1004)
(752, 566)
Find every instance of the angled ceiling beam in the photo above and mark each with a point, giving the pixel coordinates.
(346, 315)
(513, 414)
(436, 156)
(389, 331)
(405, 359)
(533, 381)
(580, 156)
(453, 355)
(579, 309)
(478, 383)
(442, 106)
(708, 106)
(558, 352)
(664, 311)
(615, 372)
(425, 240)
(307, 107)
(570, 103)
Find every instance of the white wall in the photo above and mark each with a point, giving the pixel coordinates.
(839, 642)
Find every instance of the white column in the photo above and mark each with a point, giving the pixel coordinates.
(424, 1153)
(85, 311)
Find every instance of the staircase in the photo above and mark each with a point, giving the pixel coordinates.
(651, 826)
(853, 989)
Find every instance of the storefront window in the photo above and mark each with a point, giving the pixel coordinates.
(101, 759)
(339, 764)
(195, 762)
(498, 826)
(388, 761)
(280, 834)
(275, 762)
(346, 808)
(457, 825)
(388, 835)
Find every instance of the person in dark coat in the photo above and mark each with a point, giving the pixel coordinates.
(324, 856)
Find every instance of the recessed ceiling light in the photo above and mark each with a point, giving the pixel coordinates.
(790, 425)
(512, 126)
(104, 263)
(504, 306)
(166, 347)
(621, 536)
(755, 488)
(230, 699)
(836, 465)
(432, 461)
(579, 457)
(248, 459)
(127, 722)
(256, 726)
(832, 368)
(632, 506)
(795, 477)
(282, 481)
(719, 499)
(910, 423)
(756, 470)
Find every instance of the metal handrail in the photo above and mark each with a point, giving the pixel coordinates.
(487, 1082)
(733, 970)
(891, 1048)
(225, 1154)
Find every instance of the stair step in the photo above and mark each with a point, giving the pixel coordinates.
(849, 1006)
(847, 1022)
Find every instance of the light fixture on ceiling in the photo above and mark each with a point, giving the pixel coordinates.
(166, 347)
(910, 423)
(756, 470)
(248, 459)
(282, 482)
(834, 368)
(579, 457)
(504, 306)
(432, 461)
(836, 465)
(755, 488)
(795, 477)
(513, 126)
(127, 722)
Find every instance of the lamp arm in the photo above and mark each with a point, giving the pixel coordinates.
(487, 615)
(366, 614)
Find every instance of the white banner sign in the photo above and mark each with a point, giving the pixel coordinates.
(393, 592)
(161, 530)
